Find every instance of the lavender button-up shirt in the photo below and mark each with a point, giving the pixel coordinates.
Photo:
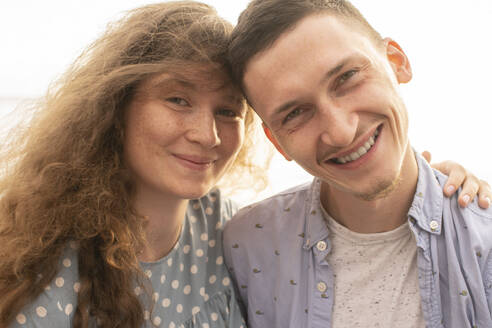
(277, 249)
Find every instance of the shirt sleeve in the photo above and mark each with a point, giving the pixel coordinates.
(55, 306)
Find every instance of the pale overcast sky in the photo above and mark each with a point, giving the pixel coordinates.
(448, 43)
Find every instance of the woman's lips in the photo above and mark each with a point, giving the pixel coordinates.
(194, 162)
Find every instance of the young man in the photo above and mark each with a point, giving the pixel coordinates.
(372, 241)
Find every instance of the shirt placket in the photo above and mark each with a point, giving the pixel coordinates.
(321, 287)
(428, 272)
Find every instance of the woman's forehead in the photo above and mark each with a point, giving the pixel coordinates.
(215, 80)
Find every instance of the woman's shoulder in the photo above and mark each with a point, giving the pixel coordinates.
(55, 306)
(215, 206)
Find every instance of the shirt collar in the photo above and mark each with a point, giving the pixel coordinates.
(316, 228)
(425, 211)
(427, 205)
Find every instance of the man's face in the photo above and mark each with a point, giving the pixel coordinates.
(328, 97)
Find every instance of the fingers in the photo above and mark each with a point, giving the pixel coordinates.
(469, 191)
(470, 184)
(457, 175)
(427, 155)
(471, 187)
(484, 194)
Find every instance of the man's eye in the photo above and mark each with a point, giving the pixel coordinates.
(293, 114)
(178, 101)
(346, 76)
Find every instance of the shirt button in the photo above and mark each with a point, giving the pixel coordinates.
(321, 246)
(321, 286)
(434, 225)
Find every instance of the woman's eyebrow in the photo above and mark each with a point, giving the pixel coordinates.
(172, 82)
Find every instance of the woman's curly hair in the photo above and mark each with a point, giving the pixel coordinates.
(62, 176)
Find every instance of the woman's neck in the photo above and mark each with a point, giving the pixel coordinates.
(164, 217)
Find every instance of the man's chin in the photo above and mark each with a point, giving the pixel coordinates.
(380, 189)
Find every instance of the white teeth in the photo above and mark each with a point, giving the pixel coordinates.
(361, 151)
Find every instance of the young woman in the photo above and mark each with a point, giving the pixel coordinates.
(94, 192)
(108, 212)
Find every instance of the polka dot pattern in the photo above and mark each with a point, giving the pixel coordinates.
(68, 309)
(166, 302)
(21, 318)
(157, 321)
(41, 311)
(187, 286)
(59, 282)
(67, 263)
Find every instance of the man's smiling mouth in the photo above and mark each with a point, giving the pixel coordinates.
(359, 152)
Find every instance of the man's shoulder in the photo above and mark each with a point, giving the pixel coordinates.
(276, 205)
(471, 219)
(471, 211)
(471, 223)
(271, 212)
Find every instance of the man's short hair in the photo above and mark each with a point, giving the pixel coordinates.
(264, 21)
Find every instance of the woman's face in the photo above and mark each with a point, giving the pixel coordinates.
(182, 134)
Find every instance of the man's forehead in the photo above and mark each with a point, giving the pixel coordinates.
(313, 29)
(319, 44)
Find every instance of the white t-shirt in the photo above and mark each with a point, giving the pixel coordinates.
(376, 278)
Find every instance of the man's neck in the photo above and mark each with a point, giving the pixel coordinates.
(378, 215)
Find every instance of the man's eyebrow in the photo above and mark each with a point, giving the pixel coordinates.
(282, 108)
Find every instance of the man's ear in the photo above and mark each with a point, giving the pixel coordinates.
(272, 139)
(398, 60)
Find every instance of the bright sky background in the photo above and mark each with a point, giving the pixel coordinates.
(448, 42)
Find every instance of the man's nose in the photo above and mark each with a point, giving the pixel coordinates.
(338, 124)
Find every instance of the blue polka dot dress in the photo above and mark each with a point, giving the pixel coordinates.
(191, 285)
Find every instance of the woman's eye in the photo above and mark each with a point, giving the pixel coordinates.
(228, 113)
(178, 101)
